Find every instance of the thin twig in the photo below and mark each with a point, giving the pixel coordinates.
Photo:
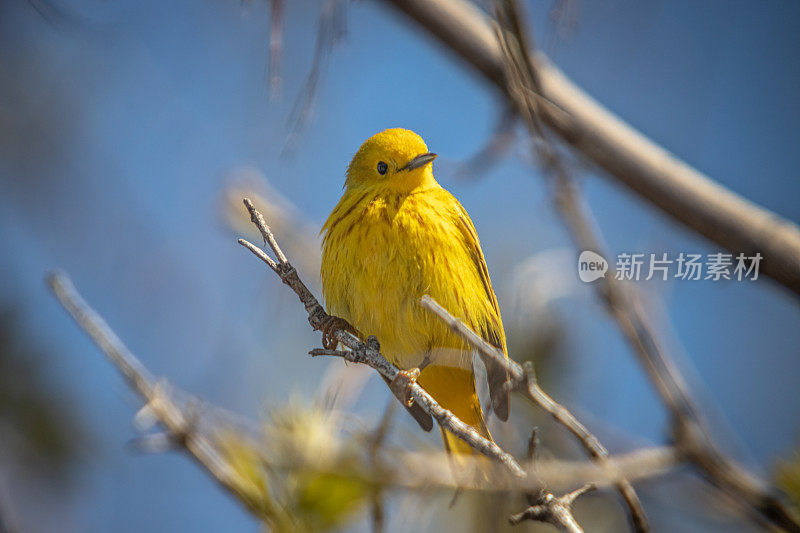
(523, 380)
(275, 47)
(556, 510)
(330, 31)
(360, 352)
(492, 151)
(544, 506)
(533, 447)
(102, 335)
(376, 441)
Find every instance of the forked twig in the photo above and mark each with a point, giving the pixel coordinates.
(556, 510)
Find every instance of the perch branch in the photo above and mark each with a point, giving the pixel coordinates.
(556, 509)
(360, 352)
(626, 155)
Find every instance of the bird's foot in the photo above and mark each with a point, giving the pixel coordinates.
(330, 325)
(402, 383)
(373, 344)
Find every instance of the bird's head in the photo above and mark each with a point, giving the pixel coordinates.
(395, 158)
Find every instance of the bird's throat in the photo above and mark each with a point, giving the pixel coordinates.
(410, 181)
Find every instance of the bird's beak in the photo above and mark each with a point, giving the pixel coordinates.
(420, 160)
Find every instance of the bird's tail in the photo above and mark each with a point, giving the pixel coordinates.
(454, 389)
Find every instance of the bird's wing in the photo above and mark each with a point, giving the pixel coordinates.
(491, 328)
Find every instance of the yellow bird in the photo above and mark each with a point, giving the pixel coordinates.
(395, 236)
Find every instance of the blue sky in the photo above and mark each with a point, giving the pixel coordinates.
(123, 121)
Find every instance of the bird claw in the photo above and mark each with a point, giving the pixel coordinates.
(329, 327)
(373, 344)
(402, 383)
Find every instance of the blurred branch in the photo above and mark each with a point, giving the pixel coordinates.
(524, 382)
(563, 17)
(556, 510)
(682, 192)
(187, 423)
(376, 441)
(179, 421)
(494, 149)
(429, 469)
(93, 324)
(525, 88)
(275, 47)
(545, 506)
(360, 352)
(515, 62)
(330, 31)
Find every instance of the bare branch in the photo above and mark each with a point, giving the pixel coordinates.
(493, 150)
(275, 47)
(376, 440)
(258, 219)
(183, 420)
(360, 352)
(523, 78)
(258, 252)
(628, 157)
(523, 84)
(298, 232)
(524, 381)
(544, 506)
(556, 510)
(158, 395)
(330, 31)
(102, 335)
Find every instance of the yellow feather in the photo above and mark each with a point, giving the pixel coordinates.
(394, 237)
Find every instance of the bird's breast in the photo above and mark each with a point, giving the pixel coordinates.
(377, 264)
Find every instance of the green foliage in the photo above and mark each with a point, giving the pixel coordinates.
(787, 477)
(321, 495)
(38, 425)
(325, 501)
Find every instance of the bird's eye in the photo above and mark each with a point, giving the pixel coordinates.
(382, 168)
